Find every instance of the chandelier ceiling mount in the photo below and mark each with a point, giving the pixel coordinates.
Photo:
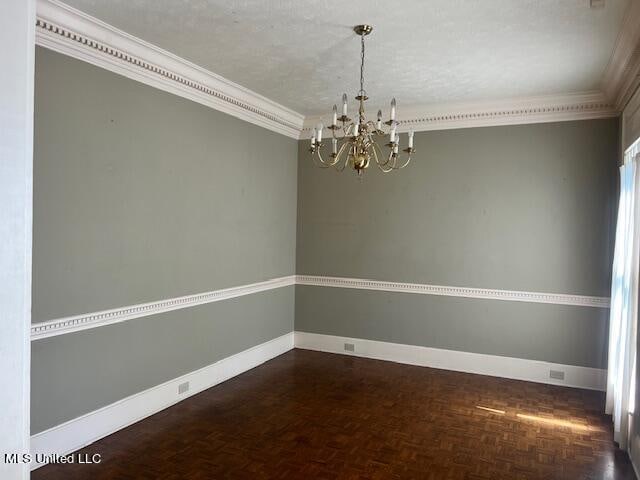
(363, 29)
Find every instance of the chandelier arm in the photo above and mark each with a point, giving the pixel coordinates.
(386, 162)
(336, 158)
(344, 145)
(339, 156)
(393, 159)
(375, 154)
(349, 155)
(381, 166)
(322, 163)
(343, 165)
(330, 163)
(405, 163)
(384, 168)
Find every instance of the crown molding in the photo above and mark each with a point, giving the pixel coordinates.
(69, 31)
(515, 111)
(622, 75)
(86, 321)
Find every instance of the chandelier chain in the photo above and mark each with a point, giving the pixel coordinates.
(362, 65)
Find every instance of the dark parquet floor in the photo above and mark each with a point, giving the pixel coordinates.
(315, 415)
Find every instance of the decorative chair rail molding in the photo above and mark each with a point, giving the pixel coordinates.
(116, 315)
(107, 317)
(71, 32)
(467, 292)
(622, 75)
(516, 111)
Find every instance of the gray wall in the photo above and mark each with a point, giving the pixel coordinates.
(142, 195)
(80, 372)
(516, 207)
(139, 196)
(553, 333)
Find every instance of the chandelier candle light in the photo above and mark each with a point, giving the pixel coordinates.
(358, 145)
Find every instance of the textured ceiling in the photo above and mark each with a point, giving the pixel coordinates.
(303, 53)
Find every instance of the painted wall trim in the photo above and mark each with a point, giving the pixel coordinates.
(467, 292)
(69, 31)
(116, 315)
(482, 364)
(86, 321)
(86, 429)
(622, 75)
(515, 111)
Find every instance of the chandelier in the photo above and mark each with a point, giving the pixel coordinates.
(359, 146)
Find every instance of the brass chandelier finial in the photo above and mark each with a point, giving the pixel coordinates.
(358, 145)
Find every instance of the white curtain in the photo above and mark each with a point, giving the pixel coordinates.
(624, 300)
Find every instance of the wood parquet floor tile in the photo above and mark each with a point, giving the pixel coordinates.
(313, 415)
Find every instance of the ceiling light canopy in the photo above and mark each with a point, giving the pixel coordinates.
(358, 146)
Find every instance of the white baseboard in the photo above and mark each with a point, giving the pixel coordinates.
(79, 432)
(493, 365)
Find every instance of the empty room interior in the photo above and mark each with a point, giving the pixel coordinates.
(248, 239)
